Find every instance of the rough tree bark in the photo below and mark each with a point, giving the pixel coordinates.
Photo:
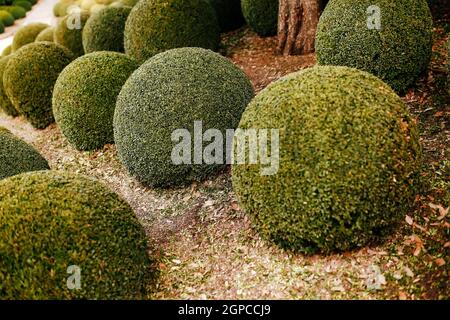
(297, 25)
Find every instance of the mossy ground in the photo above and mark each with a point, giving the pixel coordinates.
(205, 243)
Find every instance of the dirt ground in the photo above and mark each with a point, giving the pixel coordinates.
(204, 245)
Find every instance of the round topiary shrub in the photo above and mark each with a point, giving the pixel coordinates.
(46, 35)
(68, 32)
(16, 11)
(229, 14)
(5, 103)
(29, 78)
(78, 227)
(61, 8)
(84, 97)
(129, 3)
(24, 4)
(7, 51)
(104, 30)
(27, 34)
(16, 156)
(397, 52)
(7, 18)
(2, 27)
(154, 26)
(171, 91)
(261, 16)
(349, 158)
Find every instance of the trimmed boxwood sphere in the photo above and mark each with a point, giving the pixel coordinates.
(168, 92)
(46, 35)
(16, 156)
(5, 103)
(104, 30)
(229, 14)
(69, 37)
(397, 53)
(261, 16)
(2, 27)
(54, 220)
(84, 97)
(349, 158)
(154, 26)
(29, 78)
(7, 51)
(7, 18)
(27, 34)
(16, 11)
(24, 4)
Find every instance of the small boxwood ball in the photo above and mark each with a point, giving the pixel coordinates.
(27, 34)
(397, 50)
(349, 160)
(68, 32)
(16, 11)
(104, 30)
(46, 35)
(24, 4)
(56, 225)
(5, 103)
(84, 97)
(16, 156)
(7, 18)
(7, 51)
(229, 14)
(29, 78)
(154, 26)
(169, 92)
(261, 16)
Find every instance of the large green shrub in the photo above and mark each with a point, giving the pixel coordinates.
(169, 92)
(46, 35)
(349, 157)
(16, 156)
(397, 53)
(27, 34)
(29, 78)
(261, 16)
(84, 97)
(17, 12)
(55, 222)
(104, 30)
(5, 103)
(7, 18)
(229, 14)
(69, 34)
(154, 26)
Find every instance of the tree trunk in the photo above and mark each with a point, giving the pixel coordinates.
(297, 25)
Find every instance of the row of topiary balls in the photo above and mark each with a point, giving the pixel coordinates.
(11, 10)
(349, 154)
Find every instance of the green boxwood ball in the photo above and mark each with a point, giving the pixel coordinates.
(2, 27)
(27, 34)
(16, 156)
(53, 222)
(24, 4)
(7, 18)
(397, 53)
(154, 26)
(16, 11)
(5, 103)
(261, 16)
(7, 51)
(69, 36)
(46, 35)
(29, 78)
(229, 14)
(84, 97)
(168, 92)
(349, 158)
(104, 30)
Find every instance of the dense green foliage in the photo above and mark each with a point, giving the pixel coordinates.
(68, 34)
(104, 30)
(154, 26)
(85, 94)
(397, 53)
(349, 159)
(27, 34)
(24, 4)
(229, 14)
(46, 35)
(29, 78)
(53, 220)
(171, 91)
(261, 16)
(7, 51)
(7, 18)
(5, 104)
(16, 11)
(17, 157)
